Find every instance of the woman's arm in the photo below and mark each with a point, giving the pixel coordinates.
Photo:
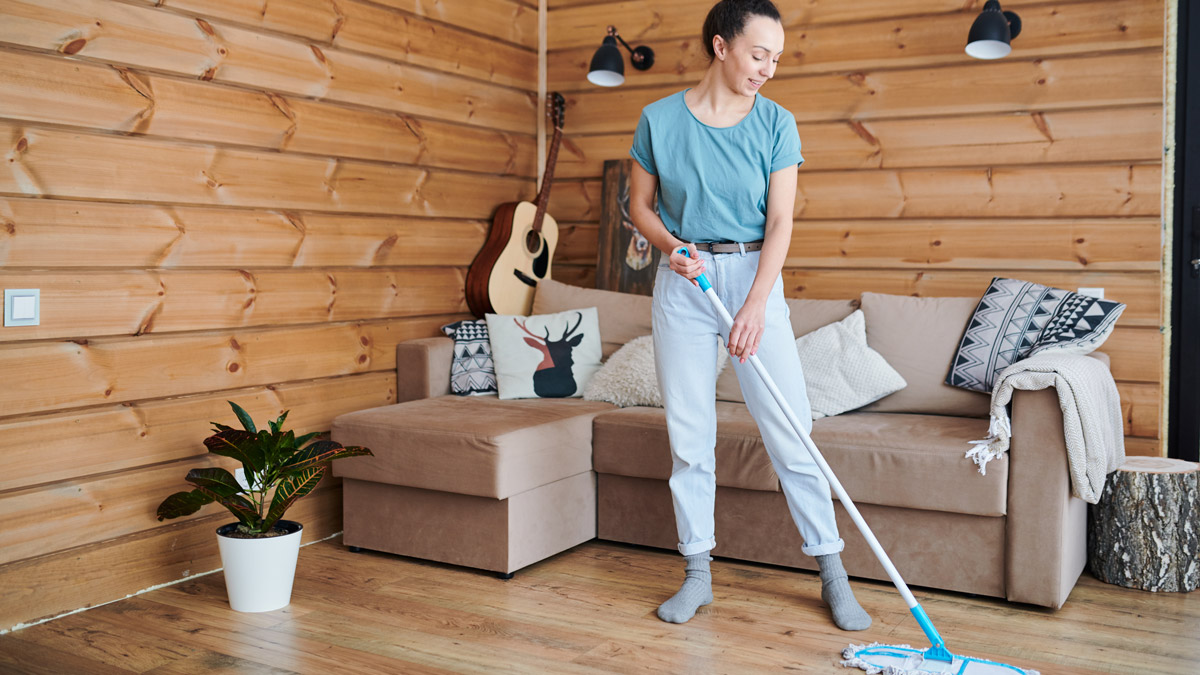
(642, 186)
(750, 321)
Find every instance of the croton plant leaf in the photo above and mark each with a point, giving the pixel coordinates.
(183, 504)
(216, 479)
(238, 505)
(319, 453)
(243, 446)
(292, 488)
(243, 417)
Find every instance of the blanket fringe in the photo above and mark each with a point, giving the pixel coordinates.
(994, 446)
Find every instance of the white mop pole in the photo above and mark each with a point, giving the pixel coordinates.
(922, 618)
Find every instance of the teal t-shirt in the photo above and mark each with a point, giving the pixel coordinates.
(712, 181)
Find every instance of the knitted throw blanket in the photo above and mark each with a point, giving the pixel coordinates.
(1092, 421)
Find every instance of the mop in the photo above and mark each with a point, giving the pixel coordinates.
(874, 658)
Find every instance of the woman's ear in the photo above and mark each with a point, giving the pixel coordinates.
(719, 47)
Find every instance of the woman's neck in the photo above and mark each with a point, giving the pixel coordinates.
(715, 103)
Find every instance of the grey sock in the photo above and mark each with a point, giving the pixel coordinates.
(835, 591)
(695, 593)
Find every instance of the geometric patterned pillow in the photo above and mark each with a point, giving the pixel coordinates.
(472, 372)
(1016, 319)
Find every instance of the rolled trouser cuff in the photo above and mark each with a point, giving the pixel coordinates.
(698, 547)
(824, 549)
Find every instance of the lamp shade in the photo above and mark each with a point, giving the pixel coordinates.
(992, 32)
(608, 66)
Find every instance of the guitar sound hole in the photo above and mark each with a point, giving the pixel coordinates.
(533, 241)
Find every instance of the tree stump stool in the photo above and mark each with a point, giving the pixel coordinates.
(1145, 531)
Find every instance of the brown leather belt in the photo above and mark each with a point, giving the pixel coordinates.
(728, 247)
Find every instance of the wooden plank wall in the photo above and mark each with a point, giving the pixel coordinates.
(225, 200)
(927, 172)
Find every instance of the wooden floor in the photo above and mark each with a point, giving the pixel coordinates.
(589, 610)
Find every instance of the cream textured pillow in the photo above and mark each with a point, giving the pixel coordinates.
(806, 316)
(842, 373)
(629, 377)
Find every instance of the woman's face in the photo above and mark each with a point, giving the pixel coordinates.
(749, 60)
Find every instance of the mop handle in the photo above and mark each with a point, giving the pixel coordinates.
(876, 548)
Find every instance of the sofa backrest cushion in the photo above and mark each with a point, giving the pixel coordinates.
(919, 337)
(623, 316)
(806, 315)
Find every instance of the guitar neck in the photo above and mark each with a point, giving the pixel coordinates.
(544, 194)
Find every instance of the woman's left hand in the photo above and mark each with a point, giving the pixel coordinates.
(747, 329)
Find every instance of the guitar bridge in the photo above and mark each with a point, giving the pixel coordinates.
(525, 278)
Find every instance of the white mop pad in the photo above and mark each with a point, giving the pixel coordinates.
(905, 660)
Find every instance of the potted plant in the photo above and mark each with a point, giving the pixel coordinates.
(259, 551)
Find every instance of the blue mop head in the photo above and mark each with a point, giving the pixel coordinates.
(905, 660)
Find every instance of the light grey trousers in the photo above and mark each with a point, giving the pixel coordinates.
(686, 327)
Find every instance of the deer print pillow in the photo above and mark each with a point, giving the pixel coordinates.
(546, 355)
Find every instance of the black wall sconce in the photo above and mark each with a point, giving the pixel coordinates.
(608, 66)
(992, 31)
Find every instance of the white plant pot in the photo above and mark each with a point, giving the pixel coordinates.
(259, 572)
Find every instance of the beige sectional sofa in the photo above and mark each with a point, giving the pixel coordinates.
(498, 485)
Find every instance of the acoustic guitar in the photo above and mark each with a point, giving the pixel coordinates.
(520, 245)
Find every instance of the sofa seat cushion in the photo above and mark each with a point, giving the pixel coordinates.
(470, 445)
(888, 459)
(633, 442)
(912, 461)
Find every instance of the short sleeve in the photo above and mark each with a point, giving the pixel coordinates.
(643, 150)
(786, 151)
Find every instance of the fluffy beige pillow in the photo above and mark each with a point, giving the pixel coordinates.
(842, 373)
(629, 377)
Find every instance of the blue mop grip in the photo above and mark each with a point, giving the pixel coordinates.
(938, 651)
(702, 280)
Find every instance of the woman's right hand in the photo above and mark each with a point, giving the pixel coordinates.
(687, 266)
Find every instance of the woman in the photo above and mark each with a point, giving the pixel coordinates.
(723, 161)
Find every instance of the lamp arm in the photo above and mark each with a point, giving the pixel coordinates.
(612, 30)
(642, 57)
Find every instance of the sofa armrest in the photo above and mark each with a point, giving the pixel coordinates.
(423, 368)
(1046, 526)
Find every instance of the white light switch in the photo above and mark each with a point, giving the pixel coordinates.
(22, 306)
(1092, 291)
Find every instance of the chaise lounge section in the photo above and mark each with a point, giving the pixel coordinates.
(496, 485)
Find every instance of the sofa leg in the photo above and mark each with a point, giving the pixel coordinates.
(504, 575)
(354, 549)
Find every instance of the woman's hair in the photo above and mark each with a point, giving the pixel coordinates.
(728, 18)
